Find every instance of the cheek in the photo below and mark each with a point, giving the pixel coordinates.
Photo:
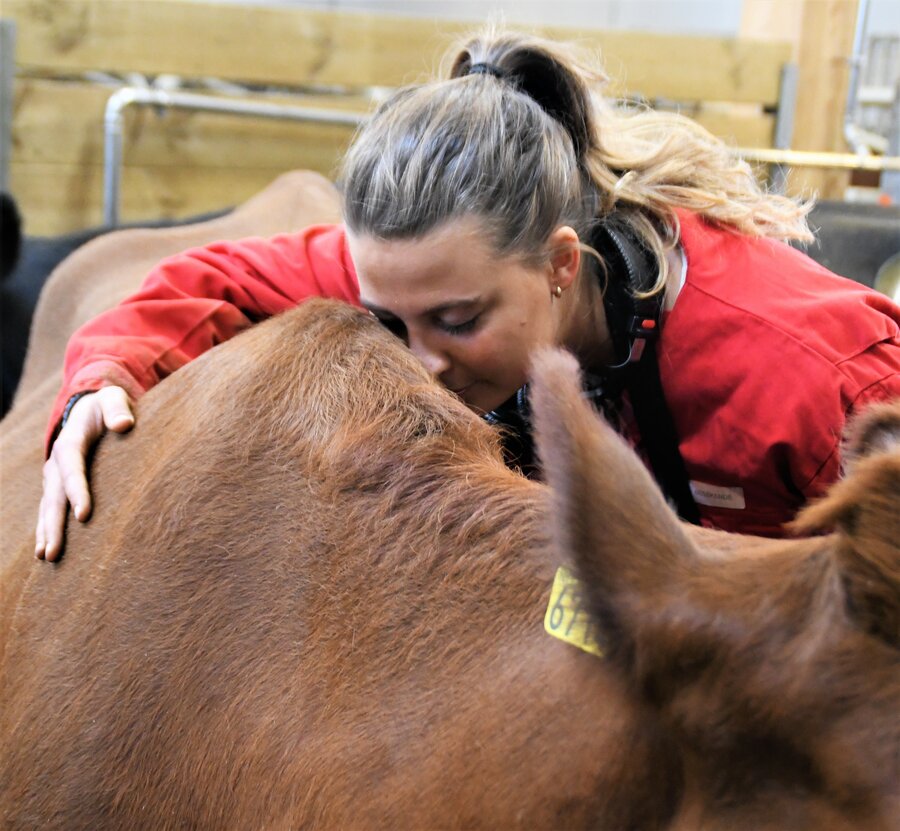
(484, 354)
(501, 357)
(535, 324)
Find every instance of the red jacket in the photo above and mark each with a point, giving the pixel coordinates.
(762, 359)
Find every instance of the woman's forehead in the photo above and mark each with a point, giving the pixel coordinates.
(449, 268)
(451, 238)
(451, 255)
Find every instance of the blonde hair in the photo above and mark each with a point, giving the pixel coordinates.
(528, 143)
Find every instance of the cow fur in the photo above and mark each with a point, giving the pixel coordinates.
(311, 595)
(775, 669)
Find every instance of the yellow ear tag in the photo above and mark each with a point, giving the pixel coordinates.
(567, 615)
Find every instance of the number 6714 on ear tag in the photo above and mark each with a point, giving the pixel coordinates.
(568, 617)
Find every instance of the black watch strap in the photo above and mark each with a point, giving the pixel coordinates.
(71, 403)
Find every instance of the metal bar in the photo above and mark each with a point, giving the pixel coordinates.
(126, 97)
(805, 158)
(890, 180)
(7, 75)
(857, 59)
(787, 105)
(784, 122)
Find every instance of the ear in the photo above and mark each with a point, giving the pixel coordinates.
(864, 508)
(565, 257)
(876, 430)
(609, 518)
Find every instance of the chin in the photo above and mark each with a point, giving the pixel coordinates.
(483, 404)
(475, 404)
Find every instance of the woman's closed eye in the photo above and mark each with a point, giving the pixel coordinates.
(462, 328)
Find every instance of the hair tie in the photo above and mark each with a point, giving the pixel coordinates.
(486, 69)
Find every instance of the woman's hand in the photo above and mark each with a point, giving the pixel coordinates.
(65, 472)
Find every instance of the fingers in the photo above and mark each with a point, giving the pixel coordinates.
(65, 472)
(116, 409)
(51, 515)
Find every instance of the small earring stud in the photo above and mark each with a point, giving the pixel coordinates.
(557, 291)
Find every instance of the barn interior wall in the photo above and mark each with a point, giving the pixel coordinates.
(179, 164)
(699, 17)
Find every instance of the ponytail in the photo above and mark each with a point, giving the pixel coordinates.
(539, 75)
(520, 135)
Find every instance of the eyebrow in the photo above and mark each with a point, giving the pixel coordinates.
(434, 310)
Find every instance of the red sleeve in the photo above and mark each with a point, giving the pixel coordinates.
(193, 301)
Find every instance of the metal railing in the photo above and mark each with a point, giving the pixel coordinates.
(811, 158)
(127, 97)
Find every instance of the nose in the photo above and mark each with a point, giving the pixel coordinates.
(432, 358)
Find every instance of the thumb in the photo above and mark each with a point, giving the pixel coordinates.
(116, 408)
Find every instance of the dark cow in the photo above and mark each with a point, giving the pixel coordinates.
(312, 595)
(10, 235)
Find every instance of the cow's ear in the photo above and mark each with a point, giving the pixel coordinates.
(610, 520)
(864, 509)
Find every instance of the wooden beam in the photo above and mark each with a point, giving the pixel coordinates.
(294, 46)
(60, 198)
(687, 68)
(737, 128)
(62, 123)
(773, 20)
(825, 49)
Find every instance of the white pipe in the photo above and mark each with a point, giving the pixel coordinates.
(123, 98)
(808, 158)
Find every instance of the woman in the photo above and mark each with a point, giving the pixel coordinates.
(473, 209)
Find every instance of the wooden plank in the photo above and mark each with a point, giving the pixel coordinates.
(250, 43)
(63, 123)
(689, 68)
(59, 198)
(294, 46)
(739, 129)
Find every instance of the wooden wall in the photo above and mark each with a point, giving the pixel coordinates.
(821, 36)
(176, 163)
(181, 164)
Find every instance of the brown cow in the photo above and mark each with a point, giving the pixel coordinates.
(312, 595)
(112, 266)
(91, 280)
